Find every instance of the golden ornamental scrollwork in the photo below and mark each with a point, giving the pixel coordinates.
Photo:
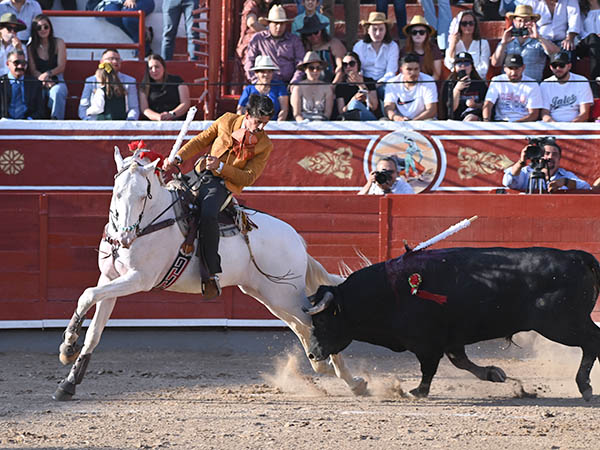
(12, 162)
(336, 163)
(473, 163)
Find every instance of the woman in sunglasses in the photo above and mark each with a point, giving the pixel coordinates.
(466, 37)
(356, 95)
(330, 49)
(312, 99)
(47, 56)
(418, 41)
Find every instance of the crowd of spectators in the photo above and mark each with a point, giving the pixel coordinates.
(433, 67)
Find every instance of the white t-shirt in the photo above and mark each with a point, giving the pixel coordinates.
(381, 65)
(513, 100)
(411, 102)
(563, 100)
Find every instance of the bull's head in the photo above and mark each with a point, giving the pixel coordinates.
(330, 334)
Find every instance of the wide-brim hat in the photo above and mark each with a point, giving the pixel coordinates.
(264, 62)
(523, 11)
(312, 25)
(276, 14)
(376, 18)
(311, 58)
(418, 20)
(11, 19)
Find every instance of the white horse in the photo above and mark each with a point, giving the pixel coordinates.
(130, 263)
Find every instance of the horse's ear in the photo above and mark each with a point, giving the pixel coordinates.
(149, 168)
(118, 158)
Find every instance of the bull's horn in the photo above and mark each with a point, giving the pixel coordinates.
(321, 306)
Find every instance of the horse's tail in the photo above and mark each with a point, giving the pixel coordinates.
(316, 275)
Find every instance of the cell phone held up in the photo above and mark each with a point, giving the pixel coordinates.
(519, 32)
(461, 74)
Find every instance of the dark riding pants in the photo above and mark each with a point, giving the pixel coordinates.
(212, 193)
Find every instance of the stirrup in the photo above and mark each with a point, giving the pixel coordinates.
(210, 288)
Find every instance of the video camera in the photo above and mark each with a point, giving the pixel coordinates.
(535, 152)
(384, 176)
(535, 149)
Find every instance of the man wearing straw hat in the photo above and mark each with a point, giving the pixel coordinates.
(25, 11)
(9, 27)
(284, 48)
(523, 38)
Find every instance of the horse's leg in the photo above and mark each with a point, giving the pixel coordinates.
(357, 384)
(66, 388)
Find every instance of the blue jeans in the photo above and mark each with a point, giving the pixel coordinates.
(441, 23)
(399, 11)
(57, 99)
(365, 112)
(129, 24)
(172, 10)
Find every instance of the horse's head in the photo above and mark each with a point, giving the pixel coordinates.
(131, 192)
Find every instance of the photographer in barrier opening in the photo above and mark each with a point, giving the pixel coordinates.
(385, 179)
(543, 173)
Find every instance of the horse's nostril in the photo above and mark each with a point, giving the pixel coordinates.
(311, 356)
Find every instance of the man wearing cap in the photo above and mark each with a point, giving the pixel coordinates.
(523, 38)
(517, 97)
(310, 10)
(284, 48)
(25, 11)
(567, 96)
(20, 95)
(9, 27)
(411, 95)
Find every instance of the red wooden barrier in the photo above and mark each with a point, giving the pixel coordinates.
(48, 242)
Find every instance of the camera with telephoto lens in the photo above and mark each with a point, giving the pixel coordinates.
(519, 32)
(384, 176)
(535, 152)
(535, 149)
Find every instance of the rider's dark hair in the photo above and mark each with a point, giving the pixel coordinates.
(260, 105)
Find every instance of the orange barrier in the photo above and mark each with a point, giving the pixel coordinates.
(48, 242)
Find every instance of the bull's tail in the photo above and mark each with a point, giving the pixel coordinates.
(316, 275)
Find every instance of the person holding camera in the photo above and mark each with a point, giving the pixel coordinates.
(544, 155)
(523, 38)
(385, 179)
(464, 90)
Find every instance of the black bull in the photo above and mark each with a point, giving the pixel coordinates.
(466, 295)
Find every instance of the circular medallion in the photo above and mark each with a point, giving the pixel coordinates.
(12, 162)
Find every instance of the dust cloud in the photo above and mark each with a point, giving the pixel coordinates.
(289, 377)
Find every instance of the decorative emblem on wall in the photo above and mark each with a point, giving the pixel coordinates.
(12, 162)
(336, 163)
(475, 163)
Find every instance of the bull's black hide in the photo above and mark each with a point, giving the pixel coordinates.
(485, 293)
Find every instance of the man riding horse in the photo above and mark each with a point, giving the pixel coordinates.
(239, 152)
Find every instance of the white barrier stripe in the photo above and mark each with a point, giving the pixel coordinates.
(136, 323)
(251, 188)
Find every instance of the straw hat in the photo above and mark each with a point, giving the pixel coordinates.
(376, 18)
(276, 14)
(11, 19)
(418, 20)
(310, 58)
(523, 11)
(264, 62)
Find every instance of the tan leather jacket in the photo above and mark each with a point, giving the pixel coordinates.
(237, 173)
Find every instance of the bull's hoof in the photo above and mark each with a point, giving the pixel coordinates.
(495, 374)
(360, 386)
(67, 354)
(64, 391)
(419, 392)
(587, 394)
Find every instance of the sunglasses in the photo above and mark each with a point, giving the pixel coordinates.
(558, 65)
(43, 27)
(10, 28)
(463, 63)
(314, 67)
(349, 64)
(311, 34)
(19, 62)
(467, 23)
(421, 32)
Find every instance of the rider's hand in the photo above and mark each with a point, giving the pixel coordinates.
(212, 162)
(167, 164)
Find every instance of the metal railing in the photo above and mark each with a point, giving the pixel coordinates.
(140, 46)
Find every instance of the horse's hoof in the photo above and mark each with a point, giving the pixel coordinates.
(64, 391)
(495, 374)
(587, 394)
(419, 393)
(67, 354)
(360, 386)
